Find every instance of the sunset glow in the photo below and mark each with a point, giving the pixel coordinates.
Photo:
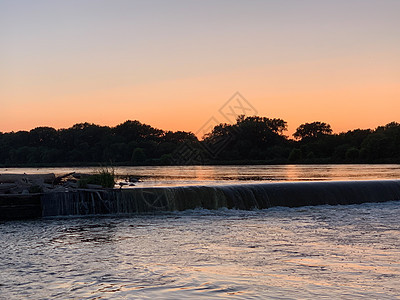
(174, 64)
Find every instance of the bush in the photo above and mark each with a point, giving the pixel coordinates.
(105, 177)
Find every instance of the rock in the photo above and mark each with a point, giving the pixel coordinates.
(71, 184)
(80, 175)
(133, 179)
(11, 178)
(58, 179)
(5, 188)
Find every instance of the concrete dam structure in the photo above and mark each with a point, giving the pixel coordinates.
(179, 198)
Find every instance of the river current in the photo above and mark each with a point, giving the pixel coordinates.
(210, 175)
(344, 252)
(337, 252)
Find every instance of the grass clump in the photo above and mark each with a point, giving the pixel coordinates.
(105, 177)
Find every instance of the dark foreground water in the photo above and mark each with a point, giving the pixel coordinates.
(334, 252)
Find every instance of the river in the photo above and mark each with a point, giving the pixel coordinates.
(209, 175)
(339, 252)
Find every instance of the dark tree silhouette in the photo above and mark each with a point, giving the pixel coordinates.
(134, 130)
(250, 140)
(312, 130)
(43, 135)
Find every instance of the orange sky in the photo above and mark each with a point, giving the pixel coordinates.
(173, 66)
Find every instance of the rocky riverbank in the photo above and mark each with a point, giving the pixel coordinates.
(16, 184)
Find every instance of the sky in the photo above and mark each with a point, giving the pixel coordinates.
(175, 64)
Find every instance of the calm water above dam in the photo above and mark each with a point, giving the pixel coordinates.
(208, 175)
(338, 252)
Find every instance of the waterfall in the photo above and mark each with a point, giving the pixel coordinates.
(78, 202)
(245, 197)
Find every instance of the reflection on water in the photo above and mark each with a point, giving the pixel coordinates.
(309, 252)
(201, 175)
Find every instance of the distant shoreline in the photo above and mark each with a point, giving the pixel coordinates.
(220, 163)
(251, 140)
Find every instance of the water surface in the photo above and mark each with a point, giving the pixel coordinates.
(344, 252)
(338, 252)
(209, 175)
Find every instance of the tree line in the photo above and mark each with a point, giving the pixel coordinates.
(250, 140)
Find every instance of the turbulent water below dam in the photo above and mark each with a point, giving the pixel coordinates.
(339, 252)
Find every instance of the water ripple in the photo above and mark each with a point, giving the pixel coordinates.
(309, 252)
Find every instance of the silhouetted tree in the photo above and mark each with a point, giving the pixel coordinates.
(46, 136)
(178, 137)
(249, 139)
(352, 153)
(295, 155)
(312, 130)
(134, 131)
(138, 156)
